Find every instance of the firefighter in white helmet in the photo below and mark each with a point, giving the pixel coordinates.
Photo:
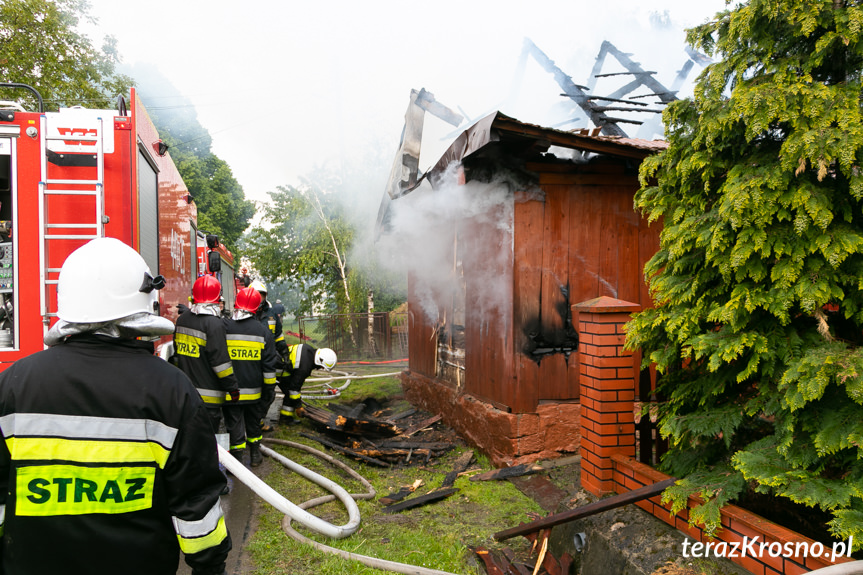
(301, 360)
(268, 316)
(108, 461)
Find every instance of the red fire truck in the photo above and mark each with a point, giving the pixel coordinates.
(70, 176)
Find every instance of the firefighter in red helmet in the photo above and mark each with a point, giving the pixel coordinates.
(253, 354)
(108, 463)
(202, 350)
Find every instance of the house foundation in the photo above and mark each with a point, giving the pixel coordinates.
(552, 431)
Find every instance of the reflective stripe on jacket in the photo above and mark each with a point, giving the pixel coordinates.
(253, 354)
(271, 320)
(202, 354)
(108, 461)
(299, 364)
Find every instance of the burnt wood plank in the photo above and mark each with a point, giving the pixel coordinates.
(357, 411)
(345, 451)
(555, 265)
(586, 510)
(552, 565)
(459, 466)
(395, 453)
(541, 489)
(400, 415)
(507, 472)
(431, 445)
(366, 427)
(584, 247)
(420, 426)
(492, 567)
(518, 567)
(414, 502)
(396, 496)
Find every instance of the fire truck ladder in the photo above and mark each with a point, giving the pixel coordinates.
(53, 187)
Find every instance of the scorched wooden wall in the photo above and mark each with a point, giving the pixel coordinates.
(582, 240)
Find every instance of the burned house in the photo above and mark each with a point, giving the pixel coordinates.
(544, 220)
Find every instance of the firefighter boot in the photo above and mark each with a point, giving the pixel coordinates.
(255, 456)
(238, 454)
(288, 416)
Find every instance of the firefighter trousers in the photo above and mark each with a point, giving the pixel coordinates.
(242, 423)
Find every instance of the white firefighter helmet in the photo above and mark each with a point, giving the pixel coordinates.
(104, 280)
(259, 287)
(326, 358)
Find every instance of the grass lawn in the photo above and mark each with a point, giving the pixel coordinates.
(436, 536)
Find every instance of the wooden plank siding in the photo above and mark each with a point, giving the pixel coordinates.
(487, 253)
(528, 249)
(578, 239)
(421, 341)
(554, 296)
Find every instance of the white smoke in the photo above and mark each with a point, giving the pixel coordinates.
(432, 229)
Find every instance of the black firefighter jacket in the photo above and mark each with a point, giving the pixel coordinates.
(202, 354)
(253, 354)
(299, 364)
(108, 464)
(272, 321)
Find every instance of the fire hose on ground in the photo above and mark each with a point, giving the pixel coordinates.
(323, 391)
(299, 513)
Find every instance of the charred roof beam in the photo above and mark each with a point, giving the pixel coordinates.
(573, 91)
(644, 77)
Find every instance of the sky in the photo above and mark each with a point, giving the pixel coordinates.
(283, 86)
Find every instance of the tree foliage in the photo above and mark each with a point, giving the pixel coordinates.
(317, 237)
(758, 283)
(303, 239)
(222, 205)
(40, 45)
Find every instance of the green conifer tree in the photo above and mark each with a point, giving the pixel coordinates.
(758, 283)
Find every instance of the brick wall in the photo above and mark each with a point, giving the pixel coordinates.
(608, 383)
(506, 438)
(607, 388)
(737, 524)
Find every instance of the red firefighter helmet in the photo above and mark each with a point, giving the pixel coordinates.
(248, 299)
(207, 289)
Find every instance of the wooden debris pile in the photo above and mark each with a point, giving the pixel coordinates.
(505, 562)
(399, 501)
(524, 469)
(364, 433)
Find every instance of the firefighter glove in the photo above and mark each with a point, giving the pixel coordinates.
(235, 394)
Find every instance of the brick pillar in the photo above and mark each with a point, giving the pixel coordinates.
(607, 382)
